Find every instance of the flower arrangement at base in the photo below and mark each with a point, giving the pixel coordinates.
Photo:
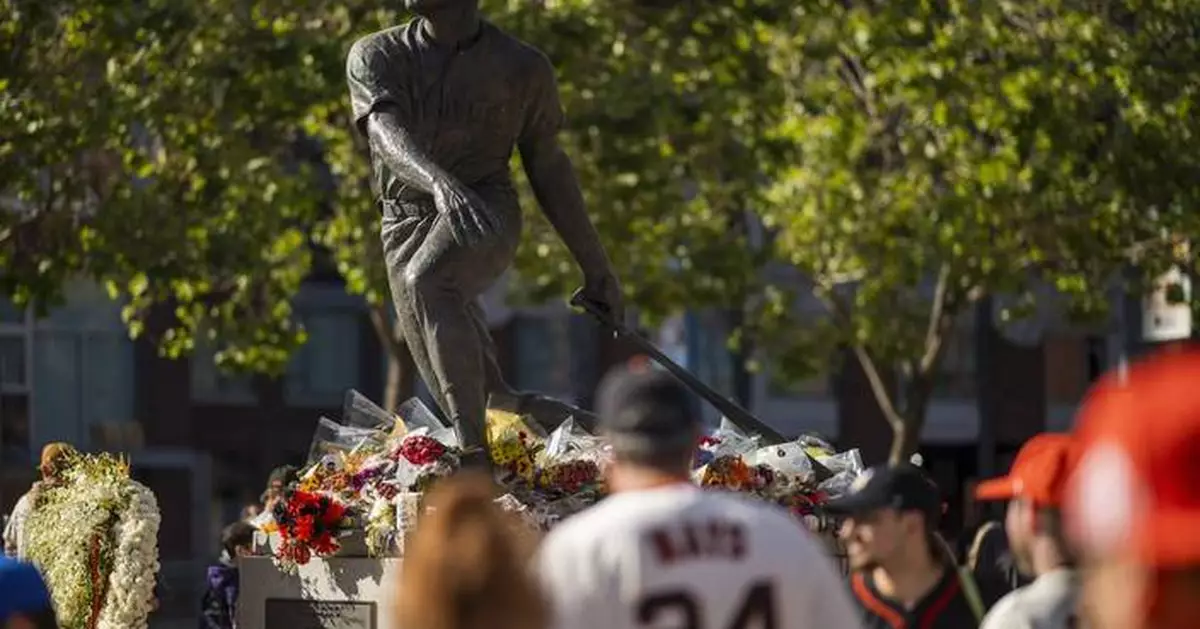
(381, 529)
(570, 477)
(309, 524)
(728, 472)
(421, 460)
(94, 535)
(511, 445)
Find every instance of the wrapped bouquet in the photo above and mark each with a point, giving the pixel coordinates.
(514, 444)
(573, 462)
(309, 524)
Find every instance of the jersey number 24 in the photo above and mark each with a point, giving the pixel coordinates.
(757, 610)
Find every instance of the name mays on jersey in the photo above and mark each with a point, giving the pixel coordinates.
(707, 539)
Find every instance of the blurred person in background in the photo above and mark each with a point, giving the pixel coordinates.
(990, 559)
(903, 574)
(1033, 523)
(25, 601)
(661, 551)
(1133, 502)
(54, 461)
(218, 604)
(467, 563)
(278, 482)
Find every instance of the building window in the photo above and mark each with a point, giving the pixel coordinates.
(64, 374)
(1070, 366)
(212, 385)
(957, 375)
(86, 378)
(329, 363)
(15, 387)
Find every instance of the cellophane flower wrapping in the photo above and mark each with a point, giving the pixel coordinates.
(720, 459)
(514, 443)
(573, 462)
(336, 440)
(359, 411)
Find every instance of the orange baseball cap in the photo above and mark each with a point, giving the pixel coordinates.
(1136, 487)
(1038, 474)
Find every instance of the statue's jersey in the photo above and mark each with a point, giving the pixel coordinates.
(467, 107)
(680, 557)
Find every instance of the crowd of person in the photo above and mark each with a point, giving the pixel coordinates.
(1100, 531)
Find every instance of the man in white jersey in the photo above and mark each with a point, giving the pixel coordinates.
(662, 553)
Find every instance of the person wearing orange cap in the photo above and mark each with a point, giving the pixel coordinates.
(1034, 488)
(1132, 504)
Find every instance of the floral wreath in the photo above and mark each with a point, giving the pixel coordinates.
(103, 578)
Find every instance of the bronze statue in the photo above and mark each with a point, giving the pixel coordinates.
(442, 101)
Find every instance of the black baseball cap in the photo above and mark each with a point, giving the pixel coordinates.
(903, 487)
(645, 412)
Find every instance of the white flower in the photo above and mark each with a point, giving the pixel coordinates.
(131, 582)
(98, 528)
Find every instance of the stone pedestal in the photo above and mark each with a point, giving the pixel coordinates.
(334, 593)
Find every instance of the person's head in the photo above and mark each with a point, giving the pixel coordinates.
(1034, 488)
(891, 517)
(278, 482)
(1132, 504)
(237, 539)
(56, 458)
(466, 565)
(651, 421)
(24, 599)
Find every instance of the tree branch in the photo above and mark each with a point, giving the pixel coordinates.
(383, 329)
(883, 396)
(934, 333)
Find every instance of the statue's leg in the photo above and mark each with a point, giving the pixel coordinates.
(495, 384)
(441, 281)
(400, 241)
(548, 412)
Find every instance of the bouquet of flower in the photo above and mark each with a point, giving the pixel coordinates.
(336, 474)
(380, 529)
(309, 524)
(572, 462)
(790, 468)
(420, 460)
(513, 444)
(728, 471)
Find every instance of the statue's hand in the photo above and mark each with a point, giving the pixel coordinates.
(604, 290)
(469, 219)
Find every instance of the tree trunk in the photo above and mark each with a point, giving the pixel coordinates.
(399, 383)
(907, 432)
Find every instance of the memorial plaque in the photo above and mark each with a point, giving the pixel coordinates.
(301, 614)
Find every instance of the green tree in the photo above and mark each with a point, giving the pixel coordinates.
(152, 146)
(943, 151)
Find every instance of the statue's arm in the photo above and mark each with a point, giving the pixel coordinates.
(552, 176)
(391, 143)
(379, 114)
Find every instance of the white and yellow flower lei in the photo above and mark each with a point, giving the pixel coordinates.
(95, 537)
